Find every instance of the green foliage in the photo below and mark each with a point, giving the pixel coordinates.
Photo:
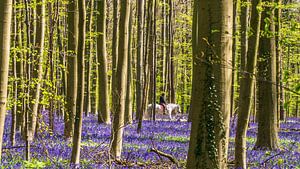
(36, 164)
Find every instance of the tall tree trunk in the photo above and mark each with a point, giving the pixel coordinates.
(154, 60)
(171, 75)
(150, 47)
(71, 68)
(25, 131)
(118, 122)
(80, 72)
(267, 137)
(15, 84)
(279, 56)
(5, 27)
(39, 72)
(211, 84)
(20, 72)
(247, 87)
(163, 45)
(128, 102)
(139, 68)
(234, 53)
(103, 104)
(114, 52)
(90, 60)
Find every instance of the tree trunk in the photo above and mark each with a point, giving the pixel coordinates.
(128, 102)
(267, 137)
(80, 72)
(247, 87)
(279, 56)
(5, 27)
(118, 122)
(211, 84)
(71, 68)
(114, 52)
(235, 39)
(139, 68)
(163, 45)
(20, 73)
(15, 84)
(103, 104)
(154, 60)
(39, 72)
(150, 46)
(90, 60)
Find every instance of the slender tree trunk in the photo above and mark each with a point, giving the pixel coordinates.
(90, 60)
(163, 45)
(20, 72)
(128, 102)
(118, 122)
(39, 73)
(51, 57)
(114, 52)
(172, 96)
(234, 53)
(211, 84)
(139, 70)
(5, 27)
(28, 77)
(154, 60)
(15, 84)
(247, 88)
(267, 137)
(150, 47)
(279, 56)
(103, 104)
(80, 72)
(71, 68)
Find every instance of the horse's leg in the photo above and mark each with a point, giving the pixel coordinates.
(170, 114)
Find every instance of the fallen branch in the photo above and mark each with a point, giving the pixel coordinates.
(130, 164)
(169, 156)
(13, 147)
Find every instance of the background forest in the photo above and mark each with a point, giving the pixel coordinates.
(77, 78)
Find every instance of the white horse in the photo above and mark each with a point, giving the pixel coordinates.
(171, 108)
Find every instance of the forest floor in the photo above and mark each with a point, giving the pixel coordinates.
(170, 137)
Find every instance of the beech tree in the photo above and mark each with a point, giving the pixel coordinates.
(267, 137)
(119, 111)
(211, 84)
(71, 67)
(139, 57)
(247, 85)
(80, 83)
(39, 72)
(103, 102)
(5, 28)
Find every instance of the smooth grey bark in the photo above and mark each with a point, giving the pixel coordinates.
(75, 158)
(114, 52)
(5, 28)
(118, 121)
(103, 102)
(90, 60)
(139, 68)
(128, 103)
(71, 68)
(267, 137)
(247, 87)
(211, 85)
(39, 73)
